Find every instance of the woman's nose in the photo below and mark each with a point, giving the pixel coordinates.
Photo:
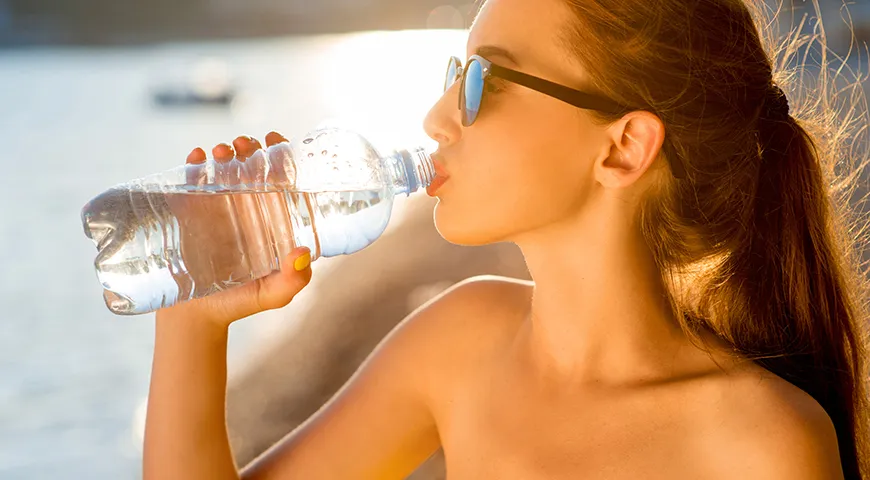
(443, 122)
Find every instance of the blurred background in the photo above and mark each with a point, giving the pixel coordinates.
(96, 92)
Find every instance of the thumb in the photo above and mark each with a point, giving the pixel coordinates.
(267, 293)
(278, 289)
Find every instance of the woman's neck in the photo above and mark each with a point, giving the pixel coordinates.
(599, 311)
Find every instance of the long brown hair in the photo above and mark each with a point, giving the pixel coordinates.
(757, 243)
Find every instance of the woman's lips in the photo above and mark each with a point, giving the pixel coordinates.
(435, 185)
(441, 176)
(439, 166)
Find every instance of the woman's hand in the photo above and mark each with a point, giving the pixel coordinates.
(270, 292)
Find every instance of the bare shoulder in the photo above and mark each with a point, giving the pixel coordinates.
(460, 330)
(474, 316)
(761, 426)
(489, 291)
(487, 299)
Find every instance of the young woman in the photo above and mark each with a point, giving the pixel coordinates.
(695, 311)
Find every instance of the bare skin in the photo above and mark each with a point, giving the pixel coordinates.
(697, 420)
(582, 373)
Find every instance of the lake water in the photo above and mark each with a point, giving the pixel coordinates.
(76, 121)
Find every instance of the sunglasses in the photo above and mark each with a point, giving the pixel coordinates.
(473, 82)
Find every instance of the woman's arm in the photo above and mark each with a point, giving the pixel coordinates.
(185, 427)
(379, 425)
(185, 430)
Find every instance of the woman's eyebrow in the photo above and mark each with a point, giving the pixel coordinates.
(487, 51)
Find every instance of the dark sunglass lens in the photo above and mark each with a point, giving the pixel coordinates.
(472, 93)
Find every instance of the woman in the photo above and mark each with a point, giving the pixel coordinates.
(693, 313)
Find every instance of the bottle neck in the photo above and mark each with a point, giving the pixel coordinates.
(412, 169)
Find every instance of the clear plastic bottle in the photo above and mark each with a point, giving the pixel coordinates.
(201, 228)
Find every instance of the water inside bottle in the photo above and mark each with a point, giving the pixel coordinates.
(157, 248)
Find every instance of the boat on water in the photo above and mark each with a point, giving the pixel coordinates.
(207, 83)
(181, 96)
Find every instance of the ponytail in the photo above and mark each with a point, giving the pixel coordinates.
(799, 320)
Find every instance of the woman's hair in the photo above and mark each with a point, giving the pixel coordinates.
(757, 243)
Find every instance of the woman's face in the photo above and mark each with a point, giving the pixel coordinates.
(527, 161)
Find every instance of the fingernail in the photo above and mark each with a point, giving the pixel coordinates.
(302, 262)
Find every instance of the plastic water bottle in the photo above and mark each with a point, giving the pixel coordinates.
(201, 228)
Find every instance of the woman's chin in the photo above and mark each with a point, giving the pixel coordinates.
(464, 232)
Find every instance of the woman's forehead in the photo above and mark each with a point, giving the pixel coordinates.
(529, 30)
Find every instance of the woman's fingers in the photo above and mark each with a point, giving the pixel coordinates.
(267, 293)
(274, 137)
(223, 152)
(242, 148)
(243, 145)
(195, 171)
(196, 156)
(278, 289)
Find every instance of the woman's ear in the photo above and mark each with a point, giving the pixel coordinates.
(636, 140)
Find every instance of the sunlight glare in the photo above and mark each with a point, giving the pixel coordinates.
(382, 84)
